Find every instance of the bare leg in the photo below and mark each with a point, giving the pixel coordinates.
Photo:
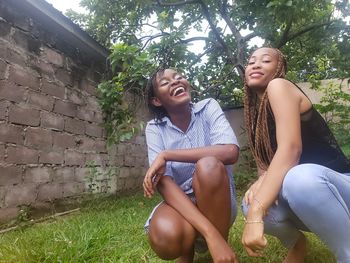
(297, 253)
(171, 236)
(212, 191)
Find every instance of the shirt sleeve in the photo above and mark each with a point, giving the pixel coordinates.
(155, 145)
(221, 131)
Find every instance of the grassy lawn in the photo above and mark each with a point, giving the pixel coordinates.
(111, 230)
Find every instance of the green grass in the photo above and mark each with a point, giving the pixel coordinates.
(111, 230)
(346, 150)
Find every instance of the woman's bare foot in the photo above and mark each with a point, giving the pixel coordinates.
(297, 253)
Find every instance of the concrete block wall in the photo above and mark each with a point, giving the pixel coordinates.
(50, 120)
(51, 123)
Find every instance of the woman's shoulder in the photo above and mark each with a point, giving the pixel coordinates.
(281, 82)
(283, 87)
(284, 92)
(203, 104)
(153, 125)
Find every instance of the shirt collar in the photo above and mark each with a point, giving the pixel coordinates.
(195, 109)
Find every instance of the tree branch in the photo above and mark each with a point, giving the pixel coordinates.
(150, 38)
(249, 37)
(239, 57)
(185, 2)
(199, 57)
(188, 40)
(229, 22)
(212, 25)
(306, 29)
(223, 6)
(284, 37)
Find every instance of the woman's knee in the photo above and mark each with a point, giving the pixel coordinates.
(302, 175)
(161, 240)
(168, 235)
(301, 181)
(211, 172)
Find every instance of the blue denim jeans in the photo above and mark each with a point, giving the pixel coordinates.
(313, 198)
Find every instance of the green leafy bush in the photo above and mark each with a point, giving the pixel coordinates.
(130, 69)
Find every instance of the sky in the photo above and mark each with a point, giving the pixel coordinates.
(63, 5)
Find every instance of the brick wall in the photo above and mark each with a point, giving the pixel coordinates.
(50, 120)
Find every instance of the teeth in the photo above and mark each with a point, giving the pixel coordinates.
(178, 91)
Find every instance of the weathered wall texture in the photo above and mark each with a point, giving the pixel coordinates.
(316, 95)
(50, 120)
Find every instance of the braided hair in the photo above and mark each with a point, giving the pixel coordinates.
(259, 119)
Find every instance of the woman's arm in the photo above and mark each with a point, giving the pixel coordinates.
(226, 153)
(261, 172)
(285, 101)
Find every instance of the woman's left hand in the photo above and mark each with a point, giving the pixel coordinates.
(253, 238)
(153, 175)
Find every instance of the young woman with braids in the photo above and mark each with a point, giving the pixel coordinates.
(191, 149)
(304, 178)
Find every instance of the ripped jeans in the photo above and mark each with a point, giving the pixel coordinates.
(316, 199)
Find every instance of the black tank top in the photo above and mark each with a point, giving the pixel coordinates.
(319, 145)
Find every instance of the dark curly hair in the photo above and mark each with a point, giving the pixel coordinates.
(158, 111)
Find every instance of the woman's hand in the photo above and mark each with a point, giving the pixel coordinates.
(253, 238)
(220, 251)
(153, 175)
(253, 189)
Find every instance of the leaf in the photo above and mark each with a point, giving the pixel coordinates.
(270, 4)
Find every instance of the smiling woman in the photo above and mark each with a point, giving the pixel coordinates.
(191, 149)
(298, 158)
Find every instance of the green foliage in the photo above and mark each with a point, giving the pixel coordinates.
(245, 170)
(23, 215)
(130, 68)
(210, 41)
(346, 150)
(314, 35)
(98, 181)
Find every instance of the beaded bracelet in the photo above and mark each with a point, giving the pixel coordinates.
(254, 221)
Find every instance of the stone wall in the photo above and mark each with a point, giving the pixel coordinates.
(50, 120)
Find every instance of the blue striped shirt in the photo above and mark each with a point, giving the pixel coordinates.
(208, 126)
